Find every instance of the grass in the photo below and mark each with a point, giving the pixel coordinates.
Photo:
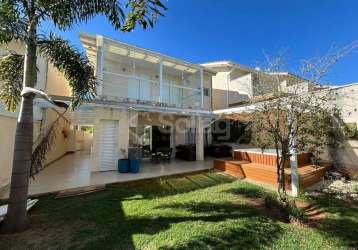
(202, 211)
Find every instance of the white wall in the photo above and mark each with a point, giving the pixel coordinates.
(240, 87)
(347, 156)
(219, 90)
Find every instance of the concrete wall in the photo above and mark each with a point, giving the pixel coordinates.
(231, 87)
(240, 87)
(219, 90)
(41, 62)
(7, 137)
(57, 83)
(347, 156)
(65, 136)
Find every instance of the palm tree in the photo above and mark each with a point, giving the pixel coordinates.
(20, 20)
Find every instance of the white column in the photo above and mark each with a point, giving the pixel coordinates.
(161, 89)
(123, 133)
(294, 165)
(173, 138)
(228, 88)
(199, 138)
(100, 64)
(202, 87)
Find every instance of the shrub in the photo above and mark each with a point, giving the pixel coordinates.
(271, 201)
(295, 213)
(287, 212)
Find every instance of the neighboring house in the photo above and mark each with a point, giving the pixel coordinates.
(235, 83)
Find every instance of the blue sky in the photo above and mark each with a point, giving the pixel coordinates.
(209, 30)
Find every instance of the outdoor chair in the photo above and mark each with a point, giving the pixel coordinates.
(167, 154)
(155, 156)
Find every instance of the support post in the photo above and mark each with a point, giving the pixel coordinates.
(161, 86)
(100, 64)
(199, 138)
(202, 87)
(294, 165)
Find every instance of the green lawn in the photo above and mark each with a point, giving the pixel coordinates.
(203, 211)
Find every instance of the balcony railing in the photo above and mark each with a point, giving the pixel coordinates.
(140, 88)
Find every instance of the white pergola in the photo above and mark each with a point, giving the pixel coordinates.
(95, 46)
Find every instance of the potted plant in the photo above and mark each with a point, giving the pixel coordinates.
(123, 164)
(134, 156)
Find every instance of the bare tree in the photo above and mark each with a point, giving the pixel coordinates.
(295, 113)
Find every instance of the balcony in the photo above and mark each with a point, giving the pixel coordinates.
(128, 72)
(142, 88)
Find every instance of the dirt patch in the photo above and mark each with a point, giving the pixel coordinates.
(313, 214)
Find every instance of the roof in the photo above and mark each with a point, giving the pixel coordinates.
(118, 47)
(230, 64)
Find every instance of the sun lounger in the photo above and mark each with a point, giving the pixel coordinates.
(3, 208)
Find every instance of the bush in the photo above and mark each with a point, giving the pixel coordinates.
(295, 213)
(350, 130)
(271, 202)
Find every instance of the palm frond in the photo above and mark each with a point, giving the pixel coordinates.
(12, 24)
(64, 14)
(43, 144)
(143, 12)
(75, 66)
(11, 75)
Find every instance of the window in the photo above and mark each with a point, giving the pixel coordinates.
(206, 92)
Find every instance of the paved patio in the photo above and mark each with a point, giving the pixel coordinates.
(73, 170)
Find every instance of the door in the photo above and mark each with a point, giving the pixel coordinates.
(160, 137)
(109, 145)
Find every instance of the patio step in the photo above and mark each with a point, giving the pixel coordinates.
(80, 191)
(182, 184)
(220, 178)
(202, 181)
(197, 181)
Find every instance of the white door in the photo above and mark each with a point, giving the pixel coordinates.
(109, 145)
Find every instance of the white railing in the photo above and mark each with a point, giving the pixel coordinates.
(140, 88)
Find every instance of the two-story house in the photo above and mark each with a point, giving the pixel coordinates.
(144, 99)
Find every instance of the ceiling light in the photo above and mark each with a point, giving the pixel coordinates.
(136, 55)
(168, 64)
(117, 50)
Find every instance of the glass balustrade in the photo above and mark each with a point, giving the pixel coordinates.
(142, 89)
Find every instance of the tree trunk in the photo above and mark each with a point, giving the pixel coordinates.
(16, 219)
(281, 177)
(280, 163)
